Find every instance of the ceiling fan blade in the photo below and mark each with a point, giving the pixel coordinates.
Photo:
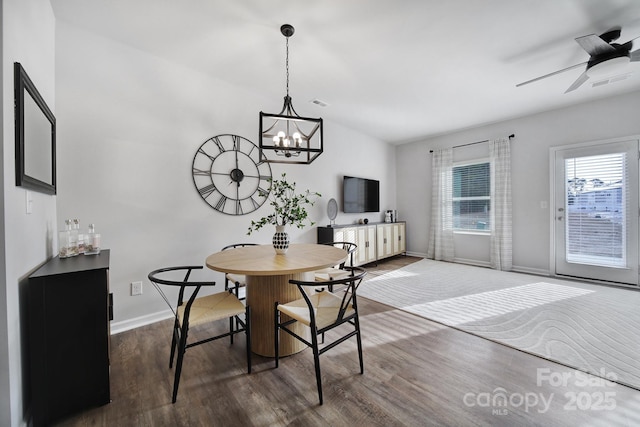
(594, 45)
(551, 74)
(635, 55)
(583, 78)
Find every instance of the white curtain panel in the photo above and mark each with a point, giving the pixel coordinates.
(441, 228)
(501, 244)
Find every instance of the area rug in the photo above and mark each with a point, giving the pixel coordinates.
(589, 327)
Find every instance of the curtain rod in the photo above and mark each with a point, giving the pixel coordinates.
(473, 143)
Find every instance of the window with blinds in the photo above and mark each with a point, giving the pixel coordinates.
(596, 210)
(471, 196)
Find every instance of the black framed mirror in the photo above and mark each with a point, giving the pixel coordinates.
(35, 136)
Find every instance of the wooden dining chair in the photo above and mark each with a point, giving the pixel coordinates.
(198, 311)
(237, 281)
(338, 271)
(322, 311)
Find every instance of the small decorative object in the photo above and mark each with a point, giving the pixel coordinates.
(81, 237)
(92, 244)
(366, 220)
(288, 209)
(360, 221)
(280, 240)
(68, 240)
(63, 244)
(332, 211)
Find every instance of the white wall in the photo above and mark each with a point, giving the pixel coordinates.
(28, 29)
(129, 124)
(535, 134)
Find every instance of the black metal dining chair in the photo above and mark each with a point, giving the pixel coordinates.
(198, 311)
(338, 271)
(322, 311)
(237, 281)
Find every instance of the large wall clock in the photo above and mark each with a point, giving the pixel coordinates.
(231, 175)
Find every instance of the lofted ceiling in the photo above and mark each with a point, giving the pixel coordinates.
(398, 70)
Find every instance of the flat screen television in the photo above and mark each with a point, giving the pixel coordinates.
(360, 195)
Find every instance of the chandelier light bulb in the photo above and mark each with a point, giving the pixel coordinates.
(297, 139)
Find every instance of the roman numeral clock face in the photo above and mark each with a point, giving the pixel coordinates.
(231, 175)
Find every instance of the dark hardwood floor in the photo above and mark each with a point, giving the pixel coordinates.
(417, 373)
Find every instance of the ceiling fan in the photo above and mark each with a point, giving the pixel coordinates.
(606, 58)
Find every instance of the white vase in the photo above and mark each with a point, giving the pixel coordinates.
(280, 240)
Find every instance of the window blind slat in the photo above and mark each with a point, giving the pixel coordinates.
(597, 207)
(471, 197)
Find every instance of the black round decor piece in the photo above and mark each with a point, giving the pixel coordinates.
(231, 175)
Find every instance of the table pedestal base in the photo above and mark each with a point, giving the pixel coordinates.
(262, 292)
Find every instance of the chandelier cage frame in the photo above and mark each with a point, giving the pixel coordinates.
(293, 139)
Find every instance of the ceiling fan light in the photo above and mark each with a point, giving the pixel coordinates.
(608, 68)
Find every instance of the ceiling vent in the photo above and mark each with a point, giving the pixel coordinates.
(319, 103)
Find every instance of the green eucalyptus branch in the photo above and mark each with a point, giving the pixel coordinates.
(288, 207)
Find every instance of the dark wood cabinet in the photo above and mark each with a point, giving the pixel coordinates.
(69, 308)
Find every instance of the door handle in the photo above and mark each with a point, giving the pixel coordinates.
(559, 218)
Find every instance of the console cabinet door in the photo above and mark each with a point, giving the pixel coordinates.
(346, 234)
(371, 243)
(366, 241)
(399, 239)
(384, 240)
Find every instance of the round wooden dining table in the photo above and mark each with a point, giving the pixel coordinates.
(268, 276)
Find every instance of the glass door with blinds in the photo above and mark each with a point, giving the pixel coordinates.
(596, 212)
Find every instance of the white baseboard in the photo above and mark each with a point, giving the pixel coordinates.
(515, 268)
(126, 325)
(417, 254)
(472, 262)
(529, 270)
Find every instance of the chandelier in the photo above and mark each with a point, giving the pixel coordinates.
(287, 137)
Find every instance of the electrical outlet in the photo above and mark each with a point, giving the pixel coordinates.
(136, 288)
